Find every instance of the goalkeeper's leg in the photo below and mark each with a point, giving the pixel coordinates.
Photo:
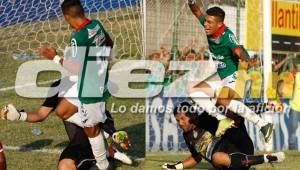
(242, 161)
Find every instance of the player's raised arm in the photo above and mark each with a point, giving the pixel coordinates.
(195, 9)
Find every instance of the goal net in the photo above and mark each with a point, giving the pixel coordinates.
(28, 24)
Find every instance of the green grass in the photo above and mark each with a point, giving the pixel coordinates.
(45, 161)
(155, 159)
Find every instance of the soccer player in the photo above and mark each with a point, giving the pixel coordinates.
(2, 158)
(234, 150)
(87, 34)
(78, 152)
(229, 54)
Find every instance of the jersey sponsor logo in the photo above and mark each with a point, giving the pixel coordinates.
(99, 39)
(233, 39)
(93, 32)
(217, 57)
(74, 47)
(221, 65)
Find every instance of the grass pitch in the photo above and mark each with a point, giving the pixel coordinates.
(54, 137)
(154, 160)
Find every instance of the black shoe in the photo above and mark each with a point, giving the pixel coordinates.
(276, 157)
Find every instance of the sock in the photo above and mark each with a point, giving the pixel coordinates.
(240, 160)
(99, 151)
(266, 160)
(75, 118)
(255, 159)
(244, 111)
(203, 101)
(23, 116)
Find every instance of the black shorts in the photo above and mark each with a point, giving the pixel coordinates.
(56, 86)
(82, 155)
(235, 140)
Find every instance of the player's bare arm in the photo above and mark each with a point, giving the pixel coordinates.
(241, 54)
(195, 9)
(51, 54)
(189, 162)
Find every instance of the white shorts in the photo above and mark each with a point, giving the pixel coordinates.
(229, 81)
(90, 114)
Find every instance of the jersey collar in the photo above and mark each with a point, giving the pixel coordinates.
(219, 32)
(84, 23)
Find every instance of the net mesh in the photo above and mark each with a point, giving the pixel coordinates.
(26, 25)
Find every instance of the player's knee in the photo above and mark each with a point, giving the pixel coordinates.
(220, 160)
(92, 132)
(66, 164)
(62, 113)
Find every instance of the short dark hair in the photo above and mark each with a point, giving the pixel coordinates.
(216, 12)
(72, 8)
(190, 110)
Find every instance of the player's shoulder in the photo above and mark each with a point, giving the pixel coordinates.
(80, 36)
(229, 36)
(95, 24)
(228, 32)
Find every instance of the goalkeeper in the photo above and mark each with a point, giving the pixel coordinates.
(79, 149)
(226, 152)
(229, 54)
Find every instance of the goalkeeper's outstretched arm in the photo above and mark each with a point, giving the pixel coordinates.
(9, 112)
(195, 9)
(189, 162)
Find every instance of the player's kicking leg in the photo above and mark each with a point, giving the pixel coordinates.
(241, 109)
(225, 98)
(202, 98)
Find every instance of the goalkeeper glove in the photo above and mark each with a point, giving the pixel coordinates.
(178, 165)
(192, 2)
(121, 138)
(9, 112)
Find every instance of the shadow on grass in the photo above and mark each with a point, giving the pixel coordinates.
(39, 144)
(62, 144)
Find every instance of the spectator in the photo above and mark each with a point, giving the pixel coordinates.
(277, 64)
(294, 115)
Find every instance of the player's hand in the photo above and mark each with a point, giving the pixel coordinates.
(177, 165)
(9, 112)
(121, 138)
(47, 52)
